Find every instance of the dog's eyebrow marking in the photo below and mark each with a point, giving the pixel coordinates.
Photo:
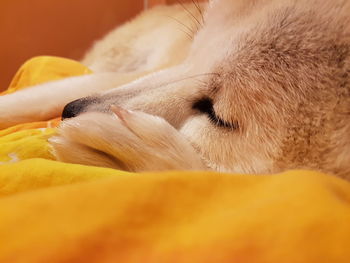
(205, 105)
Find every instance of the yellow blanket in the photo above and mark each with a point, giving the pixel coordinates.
(56, 212)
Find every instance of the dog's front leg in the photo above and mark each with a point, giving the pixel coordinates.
(46, 101)
(128, 140)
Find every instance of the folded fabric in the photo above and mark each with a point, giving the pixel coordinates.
(30, 142)
(57, 212)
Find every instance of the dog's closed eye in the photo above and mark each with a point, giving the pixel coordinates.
(205, 105)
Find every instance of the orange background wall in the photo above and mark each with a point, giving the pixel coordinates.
(57, 27)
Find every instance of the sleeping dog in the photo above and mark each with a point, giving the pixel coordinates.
(243, 86)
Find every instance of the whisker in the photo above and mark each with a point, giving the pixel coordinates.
(190, 34)
(195, 2)
(191, 14)
(189, 77)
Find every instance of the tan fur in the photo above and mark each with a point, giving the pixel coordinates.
(277, 71)
(129, 52)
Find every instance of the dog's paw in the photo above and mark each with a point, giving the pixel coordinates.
(127, 140)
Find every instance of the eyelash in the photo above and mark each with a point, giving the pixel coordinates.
(205, 106)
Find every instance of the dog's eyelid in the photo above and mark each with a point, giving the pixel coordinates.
(206, 106)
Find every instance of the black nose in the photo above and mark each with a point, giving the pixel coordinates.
(76, 107)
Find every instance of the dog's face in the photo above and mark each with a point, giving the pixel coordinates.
(264, 88)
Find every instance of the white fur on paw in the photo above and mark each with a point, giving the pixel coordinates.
(69, 151)
(128, 140)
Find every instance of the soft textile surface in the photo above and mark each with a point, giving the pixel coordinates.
(56, 212)
(30, 142)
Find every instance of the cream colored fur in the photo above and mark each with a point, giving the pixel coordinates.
(260, 86)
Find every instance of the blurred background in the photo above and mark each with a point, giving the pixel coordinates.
(64, 28)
